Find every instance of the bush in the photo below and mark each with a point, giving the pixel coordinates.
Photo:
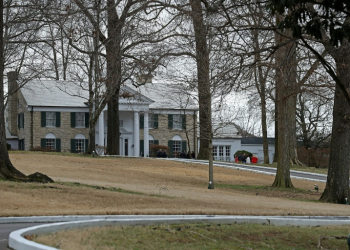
(8, 146)
(155, 148)
(41, 149)
(241, 152)
(318, 158)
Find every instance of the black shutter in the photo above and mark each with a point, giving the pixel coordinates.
(58, 119)
(170, 145)
(183, 120)
(72, 146)
(170, 121)
(155, 120)
(43, 119)
(72, 119)
(184, 145)
(142, 121)
(142, 147)
(86, 119)
(43, 143)
(22, 120)
(18, 120)
(58, 145)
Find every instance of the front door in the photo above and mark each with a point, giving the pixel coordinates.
(126, 147)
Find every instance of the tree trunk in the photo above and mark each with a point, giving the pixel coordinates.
(7, 170)
(204, 95)
(275, 157)
(337, 186)
(285, 58)
(114, 58)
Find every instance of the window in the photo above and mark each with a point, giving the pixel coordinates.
(121, 123)
(50, 119)
(221, 151)
(177, 122)
(21, 120)
(51, 142)
(80, 119)
(79, 144)
(215, 151)
(176, 147)
(152, 121)
(228, 152)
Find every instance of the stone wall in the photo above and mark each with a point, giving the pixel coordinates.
(65, 132)
(164, 134)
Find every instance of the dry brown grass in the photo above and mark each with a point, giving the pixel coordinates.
(163, 187)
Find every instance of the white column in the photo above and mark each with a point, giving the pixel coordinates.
(136, 134)
(101, 130)
(145, 136)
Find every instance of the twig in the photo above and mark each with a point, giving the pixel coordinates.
(203, 236)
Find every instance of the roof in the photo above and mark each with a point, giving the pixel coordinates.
(167, 96)
(56, 93)
(8, 134)
(256, 140)
(225, 131)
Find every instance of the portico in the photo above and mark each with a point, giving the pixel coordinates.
(129, 126)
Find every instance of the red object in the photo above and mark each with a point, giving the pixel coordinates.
(236, 159)
(254, 159)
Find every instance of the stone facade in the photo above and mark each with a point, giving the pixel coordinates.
(32, 132)
(163, 134)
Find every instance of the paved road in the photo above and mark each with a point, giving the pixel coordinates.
(7, 228)
(260, 169)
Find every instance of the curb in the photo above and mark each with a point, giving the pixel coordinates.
(18, 242)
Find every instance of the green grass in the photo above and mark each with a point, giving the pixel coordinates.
(201, 237)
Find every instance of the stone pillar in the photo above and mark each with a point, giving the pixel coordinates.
(136, 134)
(145, 136)
(101, 130)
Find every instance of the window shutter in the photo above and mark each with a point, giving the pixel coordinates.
(18, 120)
(142, 121)
(58, 145)
(72, 119)
(142, 147)
(86, 145)
(72, 146)
(183, 120)
(43, 119)
(43, 143)
(170, 145)
(58, 119)
(86, 119)
(22, 120)
(155, 121)
(184, 145)
(170, 121)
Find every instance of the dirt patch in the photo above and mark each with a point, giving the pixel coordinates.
(153, 187)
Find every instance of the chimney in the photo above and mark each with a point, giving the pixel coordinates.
(12, 105)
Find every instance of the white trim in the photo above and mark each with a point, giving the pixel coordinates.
(136, 134)
(145, 136)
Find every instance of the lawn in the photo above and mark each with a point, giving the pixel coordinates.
(87, 185)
